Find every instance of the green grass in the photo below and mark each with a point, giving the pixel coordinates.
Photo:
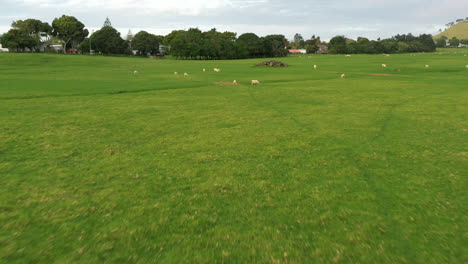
(101, 165)
(460, 31)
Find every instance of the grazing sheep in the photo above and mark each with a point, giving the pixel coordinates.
(466, 66)
(204, 70)
(216, 70)
(255, 82)
(388, 55)
(315, 67)
(176, 73)
(185, 74)
(135, 72)
(384, 65)
(343, 76)
(348, 55)
(235, 82)
(427, 66)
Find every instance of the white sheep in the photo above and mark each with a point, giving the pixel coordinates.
(388, 55)
(315, 67)
(384, 65)
(255, 82)
(204, 70)
(176, 73)
(348, 55)
(185, 74)
(466, 66)
(135, 72)
(343, 76)
(216, 70)
(426, 66)
(235, 82)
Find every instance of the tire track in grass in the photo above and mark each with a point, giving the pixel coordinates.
(403, 245)
(94, 94)
(383, 197)
(281, 113)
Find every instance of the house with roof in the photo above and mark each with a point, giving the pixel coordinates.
(297, 51)
(2, 49)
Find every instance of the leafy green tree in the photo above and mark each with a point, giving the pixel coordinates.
(84, 46)
(312, 45)
(68, 28)
(177, 46)
(337, 45)
(228, 45)
(168, 38)
(107, 40)
(423, 43)
(299, 42)
(274, 46)
(464, 41)
(427, 43)
(440, 42)
(415, 46)
(251, 43)
(193, 43)
(186, 44)
(367, 46)
(211, 44)
(17, 40)
(403, 47)
(38, 30)
(454, 42)
(30, 33)
(353, 48)
(146, 43)
(389, 46)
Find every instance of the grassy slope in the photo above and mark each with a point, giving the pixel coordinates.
(100, 165)
(460, 31)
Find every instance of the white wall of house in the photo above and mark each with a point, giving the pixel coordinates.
(3, 49)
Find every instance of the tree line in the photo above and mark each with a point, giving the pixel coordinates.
(195, 44)
(397, 44)
(453, 42)
(34, 36)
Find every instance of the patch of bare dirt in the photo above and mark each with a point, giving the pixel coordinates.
(226, 83)
(383, 74)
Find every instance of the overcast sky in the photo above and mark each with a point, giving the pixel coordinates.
(325, 18)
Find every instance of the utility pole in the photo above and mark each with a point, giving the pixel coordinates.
(90, 49)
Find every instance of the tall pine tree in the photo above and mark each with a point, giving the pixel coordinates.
(107, 23)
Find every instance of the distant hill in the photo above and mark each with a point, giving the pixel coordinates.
(460, 31)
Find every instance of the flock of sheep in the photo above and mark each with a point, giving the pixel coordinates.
(255, 82)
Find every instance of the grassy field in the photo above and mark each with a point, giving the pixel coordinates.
(101, 165)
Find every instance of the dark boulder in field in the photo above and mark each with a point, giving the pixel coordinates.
(273, 64)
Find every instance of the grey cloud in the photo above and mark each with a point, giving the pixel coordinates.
(352, 18)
